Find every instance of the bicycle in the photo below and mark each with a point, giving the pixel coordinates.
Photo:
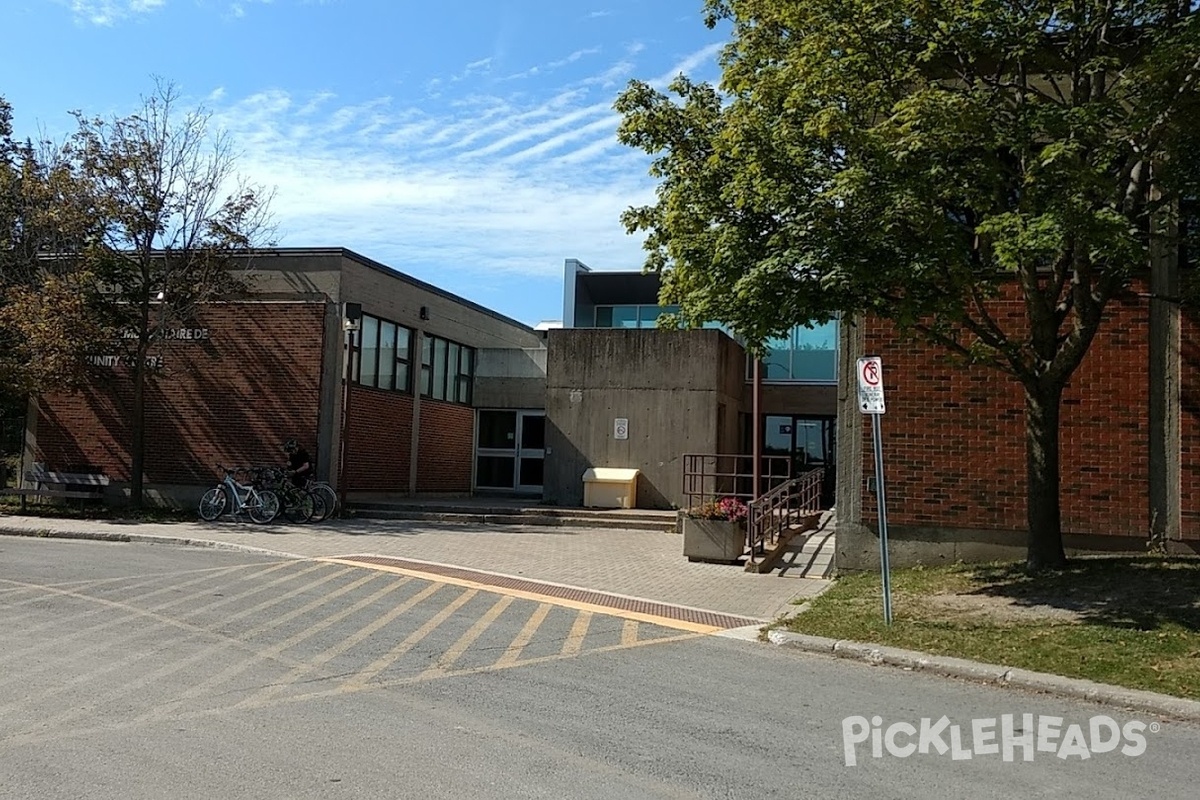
(297, 504)
(326, 496)
(261, 505)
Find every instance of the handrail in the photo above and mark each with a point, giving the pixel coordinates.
(780, 509)
(708, 477)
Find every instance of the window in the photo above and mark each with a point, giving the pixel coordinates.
(641, 316)
(383, 355)
(446, 370)
(808, 354)
(368, 369)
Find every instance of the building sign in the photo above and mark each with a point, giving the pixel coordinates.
(620, 428)
(870, 385)
(153, 362)
(172, 334)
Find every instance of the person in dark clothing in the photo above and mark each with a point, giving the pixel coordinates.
(300, 467)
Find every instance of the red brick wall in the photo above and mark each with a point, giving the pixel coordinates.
(446, 447)
(232, 398)
(954, 448)
(1189, 425)
(380, 440)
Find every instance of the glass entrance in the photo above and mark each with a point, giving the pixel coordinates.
(510, 450)
(811, 443)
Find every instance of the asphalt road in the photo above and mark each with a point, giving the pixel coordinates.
(147, 671)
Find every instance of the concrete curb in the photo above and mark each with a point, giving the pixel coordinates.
(144, 538)
(1074, 688)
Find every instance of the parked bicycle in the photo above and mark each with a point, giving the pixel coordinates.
(297, 504)
(231, 496)
(326, 496)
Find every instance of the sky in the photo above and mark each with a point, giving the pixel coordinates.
(469, 143)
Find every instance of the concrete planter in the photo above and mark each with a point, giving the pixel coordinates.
(714, 540)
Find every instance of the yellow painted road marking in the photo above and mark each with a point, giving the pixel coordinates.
(322, 658)
(322, 625)
(162, 672)
(124, 642)
(152, 627)
(409, 680)
(629, 632)
(574, 642)
(104, 604)
(467, 639)
(666, 622)
(276, 650)
(380, 664)
(513, 653)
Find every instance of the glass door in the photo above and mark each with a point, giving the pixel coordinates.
(811, 443)
(510, 450)
(531, 450)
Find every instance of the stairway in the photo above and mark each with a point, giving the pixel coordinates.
(809, 556)
(475, 511)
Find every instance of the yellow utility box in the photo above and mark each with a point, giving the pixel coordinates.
(610, 487)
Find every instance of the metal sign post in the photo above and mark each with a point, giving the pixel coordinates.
(870, 402)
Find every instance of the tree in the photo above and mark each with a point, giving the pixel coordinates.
(913, 159)
(46, 327)
(173, 218)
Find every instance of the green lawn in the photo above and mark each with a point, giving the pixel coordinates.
(1130, 621)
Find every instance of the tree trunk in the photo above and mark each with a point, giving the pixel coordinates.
(1044, 511)
(137, 430)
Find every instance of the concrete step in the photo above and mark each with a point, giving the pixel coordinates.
(508, 517)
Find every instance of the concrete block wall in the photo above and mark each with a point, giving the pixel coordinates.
(669, 385)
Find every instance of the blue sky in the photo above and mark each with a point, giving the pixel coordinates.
(470, 143)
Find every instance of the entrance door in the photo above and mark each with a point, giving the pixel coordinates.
(510, 450)
(531, 450)
(811, 443)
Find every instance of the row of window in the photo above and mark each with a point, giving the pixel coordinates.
(383, 360)
(808, 354)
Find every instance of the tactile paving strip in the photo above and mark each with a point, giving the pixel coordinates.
(681, 613)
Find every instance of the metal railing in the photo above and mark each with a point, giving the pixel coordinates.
(711, 477)
(781, 509)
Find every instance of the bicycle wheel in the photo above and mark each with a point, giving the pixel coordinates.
(329, 496)
(298, 507)
(320, 510)
(264, 508)
(212, 504)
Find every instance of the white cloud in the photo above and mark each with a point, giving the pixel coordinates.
(492, 185)
(108, 12)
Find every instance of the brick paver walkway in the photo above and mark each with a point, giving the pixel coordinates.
(634, 563)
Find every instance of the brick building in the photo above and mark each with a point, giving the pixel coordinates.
(954, 444)
(241, 377)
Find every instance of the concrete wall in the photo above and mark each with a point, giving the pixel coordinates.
(670, 385)
(510, 378)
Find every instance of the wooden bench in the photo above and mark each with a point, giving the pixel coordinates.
(79, 486)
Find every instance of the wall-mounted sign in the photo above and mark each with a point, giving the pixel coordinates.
(620, 428)
(153, 362)
(173, 334)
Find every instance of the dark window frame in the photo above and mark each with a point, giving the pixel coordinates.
(401, 375)
(456, 380)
